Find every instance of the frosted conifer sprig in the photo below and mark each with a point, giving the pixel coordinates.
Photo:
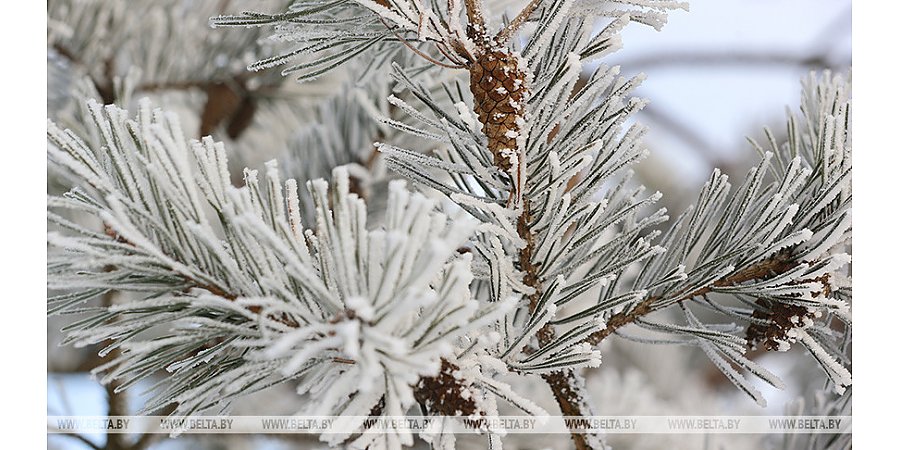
(216, 271)
(768, 254)
(558, 248)
(569, 234)
(533, 180)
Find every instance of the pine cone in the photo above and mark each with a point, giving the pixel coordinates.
(778, 334)
(499, 83)
(783, 318)
(445, 394)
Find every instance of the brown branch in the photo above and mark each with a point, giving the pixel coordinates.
(215, 290)
(194, 283)
(777, 264)
(567, 394)
(104, 87)
(117, 403)
(561, 383)
(418, 52)
(729, 58)
(117, 407)
(566, 391)
(474, 14)
(520, 19)
(228, 101)
(448, 53)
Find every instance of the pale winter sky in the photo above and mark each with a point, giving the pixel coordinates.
(724, 103)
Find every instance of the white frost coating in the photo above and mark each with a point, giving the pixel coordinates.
(736, 378)
(457, 29)
(396, 330)
(465, 113)
(838, 373)
(403, 21)
(825, 239)
(436, 436)
(568, 350)
(504, 218)
(791, 240)
(511, 156)
(557, 13)
(531, 329)
(363, 297)
(555, 167)
(506, 392)
(828, 265)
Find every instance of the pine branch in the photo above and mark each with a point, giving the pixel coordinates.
(521, 18)
(375, 315)
(475, 15)
(502, 130)
(777, 265)
(501, 89)
(166, 65)
(569, 396)
(265, 301)
(571, 400)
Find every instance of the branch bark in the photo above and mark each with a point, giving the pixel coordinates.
(567, 393)
(779, 263)
(730, 58)
(517, 22)
(474, 14)
(501, 113)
